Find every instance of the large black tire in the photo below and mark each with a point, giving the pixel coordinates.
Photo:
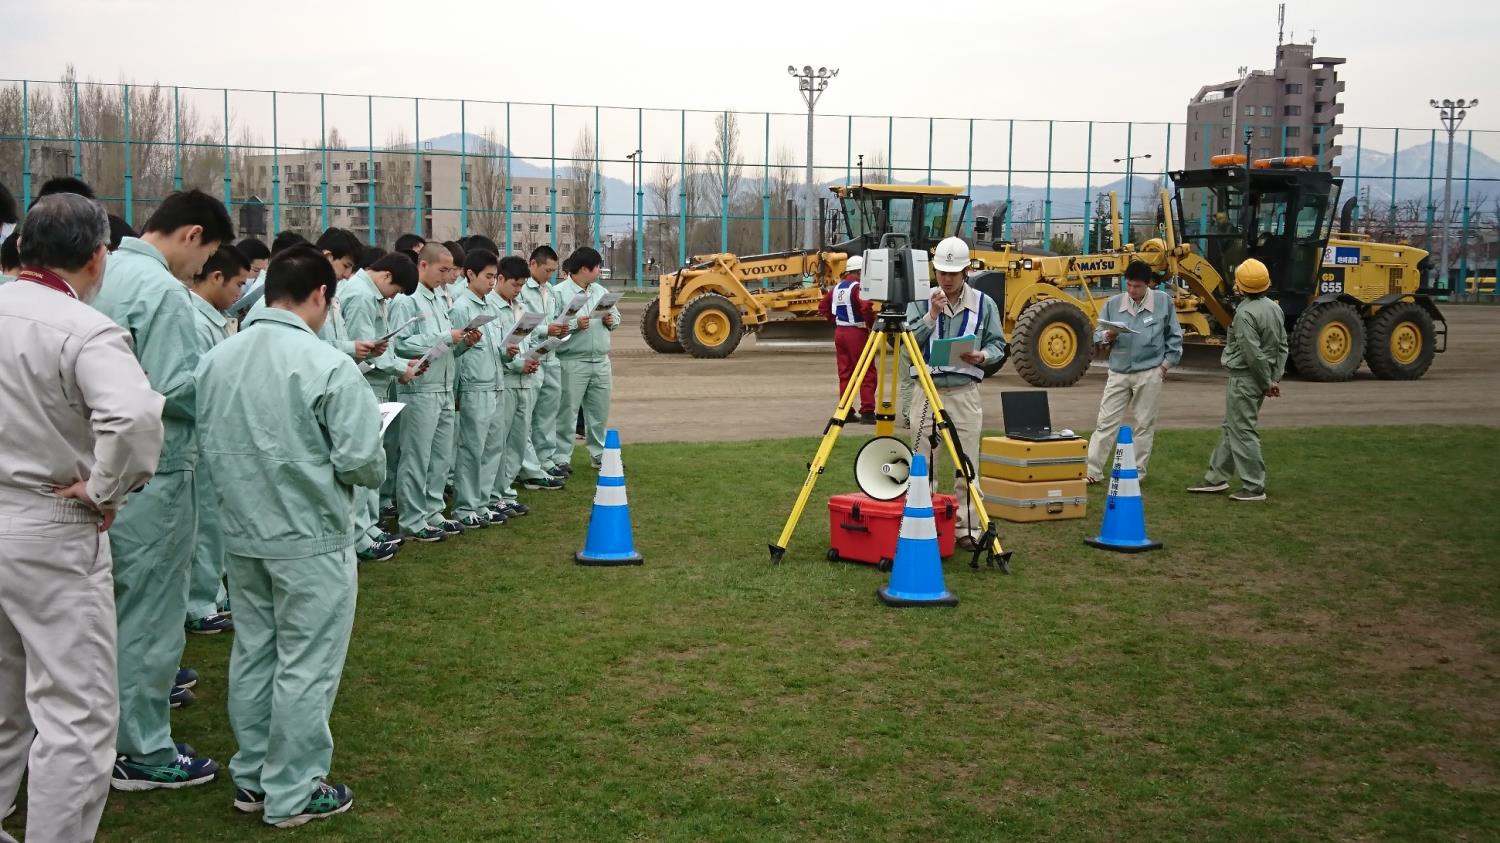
(1052, 343)
(1328, 342)
(710, 327)
(1400, 342)
(652, 334)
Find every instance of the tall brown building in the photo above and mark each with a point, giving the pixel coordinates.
(1292, 110)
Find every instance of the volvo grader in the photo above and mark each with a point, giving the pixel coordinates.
(1347, 299)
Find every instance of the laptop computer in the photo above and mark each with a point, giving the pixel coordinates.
(1028, 416)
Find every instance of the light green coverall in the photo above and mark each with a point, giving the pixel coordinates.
(364, 310)
(206, 581)
(427, 423)
(285, 454)
(1255, 355)
(587, 378)
(518, 393)
(152, 539)
(542, 454)
(481, 429)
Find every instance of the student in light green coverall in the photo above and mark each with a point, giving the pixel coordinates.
(1255, 355)
(365, 301)
(543, 465)
(214, 288)
(285, 454)
(343, 250)
(481, 428)
(586, 374)
(145, 293)
(427, 423)
(519, 384)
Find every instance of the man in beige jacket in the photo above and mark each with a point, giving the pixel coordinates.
(82, 429)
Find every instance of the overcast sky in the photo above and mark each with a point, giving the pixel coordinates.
(1064, 59)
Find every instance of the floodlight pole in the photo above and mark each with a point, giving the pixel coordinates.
(811, 83)
(1452, 114)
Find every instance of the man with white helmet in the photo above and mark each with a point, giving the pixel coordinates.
(1255, 355)
(852, 318)
(955, 310)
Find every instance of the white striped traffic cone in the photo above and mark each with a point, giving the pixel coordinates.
(609, 540)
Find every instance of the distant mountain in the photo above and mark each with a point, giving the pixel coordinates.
(1413, 164)
(1412, 167)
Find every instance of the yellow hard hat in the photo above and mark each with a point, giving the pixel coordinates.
(1251, 276)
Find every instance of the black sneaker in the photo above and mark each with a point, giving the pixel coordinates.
(497, 515)
(186, 678)
(327, 800)
(387, 512)
(474, 522)
(211, 625)
(181, 698)
(862, 418)
(378, 552)
(551, 484)
(559, 472)
(186, 750)
(181, 772)
(451, 527)
(516, 509)
(427, 534)
(388, 538)
(248, 801)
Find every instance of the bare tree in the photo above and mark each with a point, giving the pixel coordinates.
(395, 182)
(662, 231)
(876, 167)
(786, 179)
(585, 191)
(487, 181)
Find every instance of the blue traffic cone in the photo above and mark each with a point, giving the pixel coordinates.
(609, 541)
(917, 573)
(1124, 527)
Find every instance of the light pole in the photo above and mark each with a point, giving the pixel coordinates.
(1129, 190)
(1451, 113)
(811, 83)
(634, 158)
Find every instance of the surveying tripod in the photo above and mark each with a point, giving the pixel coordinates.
(890, 334)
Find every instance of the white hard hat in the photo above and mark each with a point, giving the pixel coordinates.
(952, 255)
(855, 264)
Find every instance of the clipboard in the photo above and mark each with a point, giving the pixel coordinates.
(950, 351)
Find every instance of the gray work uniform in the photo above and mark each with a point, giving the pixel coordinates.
(76, 407)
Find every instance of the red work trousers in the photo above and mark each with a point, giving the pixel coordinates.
(848, 344)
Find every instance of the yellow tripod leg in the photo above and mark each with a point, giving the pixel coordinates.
(942, 424)
(887, 386)
(825, 447)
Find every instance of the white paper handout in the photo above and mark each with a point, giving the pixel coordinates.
(580, 299)
(1117, 327)
(609, 301)
(525, 325)
(388, 412)
(402, 327)
(479, 322)
(365, 366)
(545, 348)
(433, 354)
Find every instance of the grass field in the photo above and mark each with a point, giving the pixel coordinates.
(1325, 665)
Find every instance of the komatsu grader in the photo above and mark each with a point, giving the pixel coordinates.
(1347, 299)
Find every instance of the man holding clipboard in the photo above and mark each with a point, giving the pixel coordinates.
(959, 331)
(1140, 327)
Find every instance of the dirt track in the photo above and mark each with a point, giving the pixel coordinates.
(771, 390)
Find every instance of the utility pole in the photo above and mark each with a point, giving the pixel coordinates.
(1451, 113)
(1129, 189)
(634, 159)
(811, 83)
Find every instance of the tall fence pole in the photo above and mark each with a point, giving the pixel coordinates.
(371, 181)
(1010, 156)
(77, 136)
(552, 183)
(129, 166)
(765, 195)
(416, 105)
(275, 172)
(682, 214)
(509, 228)
(25, 143)
(463, 169)
(1088, 193)
(176, 139)
(323, 147)
(228, 173)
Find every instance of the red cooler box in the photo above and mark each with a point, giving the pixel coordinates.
(862, 529)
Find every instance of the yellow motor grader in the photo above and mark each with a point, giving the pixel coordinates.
(1347, 300)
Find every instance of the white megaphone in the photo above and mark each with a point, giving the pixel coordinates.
(883, 467)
